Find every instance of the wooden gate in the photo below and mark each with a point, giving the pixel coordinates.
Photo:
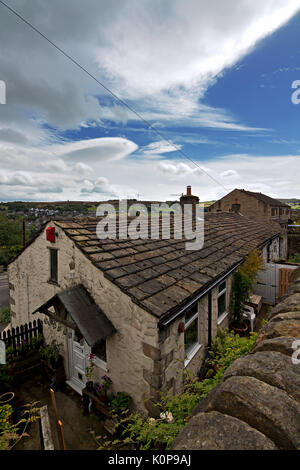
(273, 280)
(284, 280)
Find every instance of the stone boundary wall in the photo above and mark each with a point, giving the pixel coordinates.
(257, 404)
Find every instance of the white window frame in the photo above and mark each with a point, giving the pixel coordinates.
(197, 346)
(96, 360)
(224, 291)
(100, 363)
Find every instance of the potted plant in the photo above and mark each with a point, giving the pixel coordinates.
(51, 354)
(53, 364)
(244, 279)
(121, 402)
(103, 388)
(89, 372)
(241, 289)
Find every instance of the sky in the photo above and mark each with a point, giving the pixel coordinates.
(214, 79)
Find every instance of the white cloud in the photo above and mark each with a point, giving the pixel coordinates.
(159, 147)
(161, 56)
(178, 169)
(229, 174)
(104, 148)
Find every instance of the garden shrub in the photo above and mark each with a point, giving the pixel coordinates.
(5, 315)
(11, 433)
(150, 433)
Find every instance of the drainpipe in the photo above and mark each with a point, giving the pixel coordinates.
(209, 319)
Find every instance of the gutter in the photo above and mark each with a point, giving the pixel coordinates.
(172, 317)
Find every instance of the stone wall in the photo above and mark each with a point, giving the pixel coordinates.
(257, 404)
(130, 360)
(249, 206)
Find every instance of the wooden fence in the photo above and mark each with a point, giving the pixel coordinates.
(24, 334)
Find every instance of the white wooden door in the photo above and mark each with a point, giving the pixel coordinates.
(79, 352)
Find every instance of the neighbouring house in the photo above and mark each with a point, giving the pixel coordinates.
(253, 204)
(257, 205)
(148, 309)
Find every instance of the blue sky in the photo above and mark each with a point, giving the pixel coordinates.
(216, 86)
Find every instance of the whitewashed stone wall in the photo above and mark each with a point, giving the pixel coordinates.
(274, 251)
(30, 288)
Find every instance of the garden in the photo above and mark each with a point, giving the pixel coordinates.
(135, 431)
(25, 358)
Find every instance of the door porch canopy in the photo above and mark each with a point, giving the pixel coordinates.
(75, 307)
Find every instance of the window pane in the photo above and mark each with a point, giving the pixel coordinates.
(222, 286)
(190, 313)
(100, 350)
(221, 304)
(53, 265)
(191, 336)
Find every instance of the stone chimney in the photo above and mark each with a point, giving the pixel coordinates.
(189, 199)
(236, 206)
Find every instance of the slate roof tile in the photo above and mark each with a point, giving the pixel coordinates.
(160, 275)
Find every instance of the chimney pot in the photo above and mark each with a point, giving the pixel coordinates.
(189, 191)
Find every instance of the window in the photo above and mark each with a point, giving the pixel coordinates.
(53, 265)
(222, 304)
(191, 331)
(100, 352)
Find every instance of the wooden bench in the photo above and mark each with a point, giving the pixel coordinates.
(97, 403)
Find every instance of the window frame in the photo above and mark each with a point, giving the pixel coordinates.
(195, 348)
(224, 314)
(98, 361)
(51, 277)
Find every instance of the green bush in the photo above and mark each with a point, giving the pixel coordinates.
(295, 258)
(5, 379)
(5, 315)
(121, 402)
(11, 433)
(226, 347)
(241, 288)
(148, 433)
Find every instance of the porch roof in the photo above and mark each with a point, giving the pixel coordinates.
(85, 313)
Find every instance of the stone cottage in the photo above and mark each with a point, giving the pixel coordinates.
(261, 207)
(147, 309)
(253, 204)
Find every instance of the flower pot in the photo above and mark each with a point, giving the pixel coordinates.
(102, 398)
(240, 331)
(7, 398)
(56, 363)
(90, 386)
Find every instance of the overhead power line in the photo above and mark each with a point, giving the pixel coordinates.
(136, 113)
